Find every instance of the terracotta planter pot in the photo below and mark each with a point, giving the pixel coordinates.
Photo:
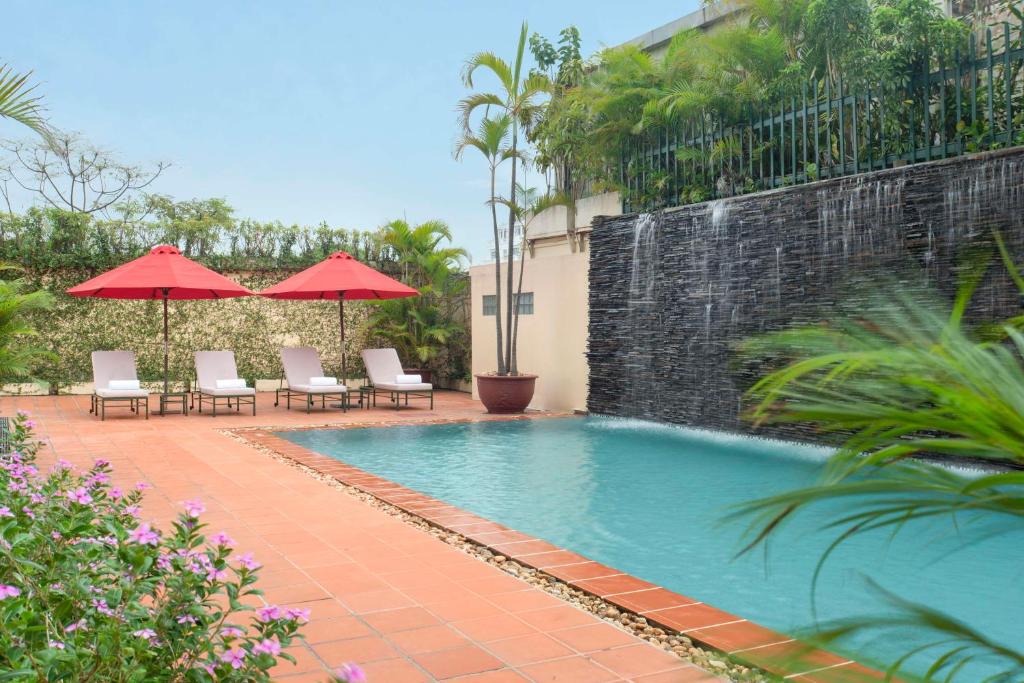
(425, 374)
(505, 395)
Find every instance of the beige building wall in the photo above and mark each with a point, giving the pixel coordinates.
(552, 340)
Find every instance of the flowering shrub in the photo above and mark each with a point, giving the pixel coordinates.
(88, 591)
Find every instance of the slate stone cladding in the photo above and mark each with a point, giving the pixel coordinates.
(673, 294)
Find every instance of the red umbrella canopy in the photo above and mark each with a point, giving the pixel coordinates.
(162, 270)
(339, 276)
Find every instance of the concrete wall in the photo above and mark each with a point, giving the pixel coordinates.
(553, 340)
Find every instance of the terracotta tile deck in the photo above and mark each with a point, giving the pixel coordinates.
(404, 605)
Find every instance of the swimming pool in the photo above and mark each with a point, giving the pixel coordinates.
(649, 500)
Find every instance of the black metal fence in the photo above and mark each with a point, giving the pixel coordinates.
(966, 101)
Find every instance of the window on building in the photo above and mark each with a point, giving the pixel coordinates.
(525, 304)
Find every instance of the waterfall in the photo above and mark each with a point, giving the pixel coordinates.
(674, 295)
(642, 314)
(645, 256)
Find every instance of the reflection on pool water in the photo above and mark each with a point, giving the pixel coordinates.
(650, 500)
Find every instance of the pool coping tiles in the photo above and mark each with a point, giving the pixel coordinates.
(742, 639)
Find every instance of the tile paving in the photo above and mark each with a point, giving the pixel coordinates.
(405, 606)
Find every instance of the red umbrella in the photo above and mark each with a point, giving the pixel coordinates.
(165, 274)
(340, 277)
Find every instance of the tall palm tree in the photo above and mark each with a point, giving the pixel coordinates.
(519, 98)
(491, 140)
(18, 101)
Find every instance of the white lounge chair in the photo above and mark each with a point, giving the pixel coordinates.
(217, 380)
(385, 373)
(117, 367)
(305, 376)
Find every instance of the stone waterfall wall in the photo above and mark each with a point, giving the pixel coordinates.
(673, 294)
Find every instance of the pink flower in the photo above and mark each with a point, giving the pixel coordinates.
(234, 657)
(222, 539)
(193, 508)
(23, 413)
(351, 673)
(147, 633)
(186, 619)
(245, 560)
(75, 626)
(231, 632)
(9, 591)
(213, 574)
(268, 613)
(30, 424)
(79, 495)
(268, 646)
(296, 614)
(100, 462)
(141, 486)
(132, 510)
(144, 535)
(116, 493)
(56, 644)
(6, 512)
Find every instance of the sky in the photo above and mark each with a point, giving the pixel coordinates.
(298, 111)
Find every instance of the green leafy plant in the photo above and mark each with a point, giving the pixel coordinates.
(518, 98)
(905, 378)
(425, 327)
(18, 101)
(89, 591)
(20, 351)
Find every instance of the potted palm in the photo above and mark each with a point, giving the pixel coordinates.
(514, 107)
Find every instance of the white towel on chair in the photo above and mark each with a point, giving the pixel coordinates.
(123, 384)
(231, 384)
(409, 379)
(323, 381)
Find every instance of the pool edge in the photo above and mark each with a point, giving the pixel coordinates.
(741, 639)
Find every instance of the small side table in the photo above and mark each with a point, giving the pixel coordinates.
(175, 399)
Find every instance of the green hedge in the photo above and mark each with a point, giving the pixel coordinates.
(253, 327)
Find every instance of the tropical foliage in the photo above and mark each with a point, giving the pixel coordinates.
(90, 591)
(907, 378)
(518, 103)
(18, 100)
(426, 328)
(203, 229)
(20, 349)
(765, 58)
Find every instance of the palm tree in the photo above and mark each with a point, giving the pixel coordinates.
(518, 98)
(421, 326)
(906, 378)
(17, 101)
(491, 140)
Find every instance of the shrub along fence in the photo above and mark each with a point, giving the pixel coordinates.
(970, 100)
(253, 327)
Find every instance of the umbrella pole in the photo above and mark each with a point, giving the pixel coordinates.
(341, 328)
(166, 348)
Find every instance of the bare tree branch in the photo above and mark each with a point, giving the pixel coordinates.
(68, 173)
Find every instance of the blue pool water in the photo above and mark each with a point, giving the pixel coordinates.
(650, 500)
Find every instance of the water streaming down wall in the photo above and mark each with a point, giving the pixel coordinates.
(673, 294)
